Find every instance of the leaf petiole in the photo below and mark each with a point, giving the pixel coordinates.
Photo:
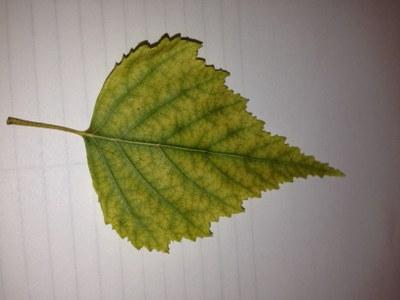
(21, 122)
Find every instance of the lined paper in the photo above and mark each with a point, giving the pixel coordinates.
(313, 70)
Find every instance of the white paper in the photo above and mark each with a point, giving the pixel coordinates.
(325, 74)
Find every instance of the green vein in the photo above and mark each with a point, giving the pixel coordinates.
(194, 183)
(164, 104)
(260, 177)
(117, 101)
(204, 116)
(227, 176)
(120, 191)
(229, 135)
(165, 201)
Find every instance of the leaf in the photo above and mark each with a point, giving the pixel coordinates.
(170, 148)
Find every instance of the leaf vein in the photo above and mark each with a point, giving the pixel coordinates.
(118, 100)
(120, 191)
(198, 119)
(227, 176)
(182, 148)
(164, 201)
(164, 104)
(193, 182)
(228, 135)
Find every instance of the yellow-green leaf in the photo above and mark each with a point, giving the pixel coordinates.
(171, 148)
(174, 149)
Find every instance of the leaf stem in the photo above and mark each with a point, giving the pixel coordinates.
(21, 122)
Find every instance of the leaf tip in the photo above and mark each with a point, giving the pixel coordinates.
(327, 170)
(336, 172)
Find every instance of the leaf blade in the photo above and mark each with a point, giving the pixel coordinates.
(171, 148)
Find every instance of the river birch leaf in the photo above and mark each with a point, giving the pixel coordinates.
(171, 148)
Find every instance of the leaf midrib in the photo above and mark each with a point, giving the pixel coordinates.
(195, 150)
(171, 146)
